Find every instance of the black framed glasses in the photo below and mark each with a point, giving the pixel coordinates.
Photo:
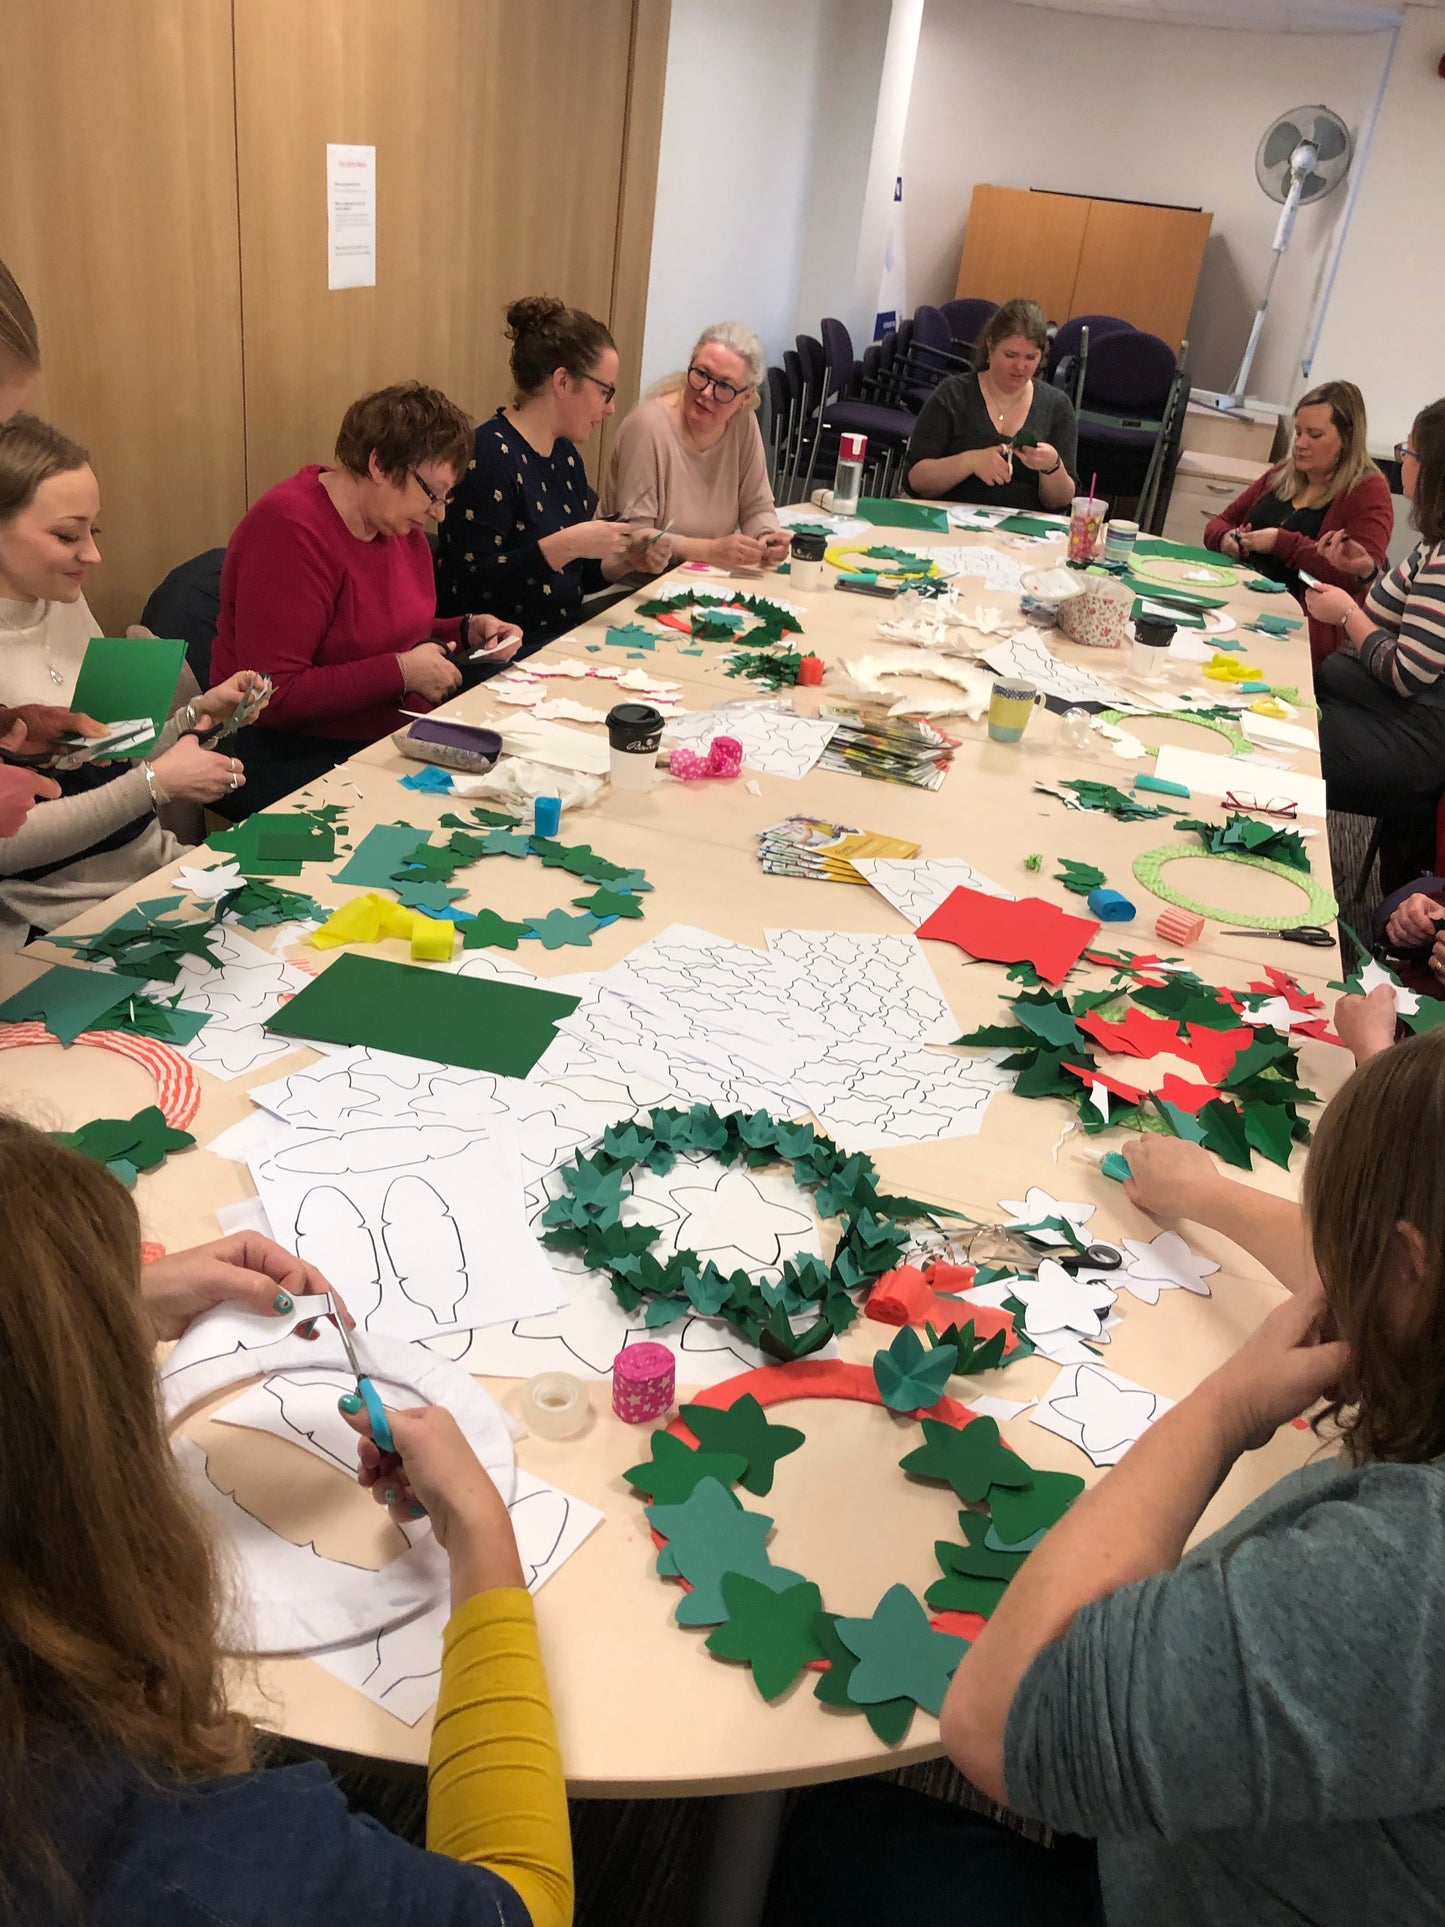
(438, 502)
(699, 380)
(1402, 449)
(609, 388)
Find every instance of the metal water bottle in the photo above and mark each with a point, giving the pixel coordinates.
(848, 481)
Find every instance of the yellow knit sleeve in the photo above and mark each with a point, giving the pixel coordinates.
(496, 1795)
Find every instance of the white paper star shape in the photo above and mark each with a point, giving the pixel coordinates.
(1040, 1204)
(733, 1224)
(207, 886)
(1164, 1263)
(1099, 1411)
(1057, 1301)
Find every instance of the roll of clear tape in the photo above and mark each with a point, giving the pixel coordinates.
(553, 1405)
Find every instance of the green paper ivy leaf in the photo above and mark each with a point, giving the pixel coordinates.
(910, 1377)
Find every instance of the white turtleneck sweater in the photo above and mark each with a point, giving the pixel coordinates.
(42, 645)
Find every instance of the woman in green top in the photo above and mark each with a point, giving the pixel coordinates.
(998, 436)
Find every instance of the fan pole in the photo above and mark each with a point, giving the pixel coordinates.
(1282, 233)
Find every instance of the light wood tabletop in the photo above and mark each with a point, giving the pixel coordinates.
(643, 1709)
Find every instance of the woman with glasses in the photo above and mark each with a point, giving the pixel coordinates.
(524, 539)
(327, 588)
(689, 459)
(1326, 510)
(1382, 692)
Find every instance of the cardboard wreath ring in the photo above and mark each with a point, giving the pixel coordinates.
(177, 1086)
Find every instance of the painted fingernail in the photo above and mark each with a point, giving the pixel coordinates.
(389, 1494)
(417, 1510)
(349, 1403)
(284, 1302)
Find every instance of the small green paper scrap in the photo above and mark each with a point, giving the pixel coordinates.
(127, 1146)
(1080, 878)
(631, 635)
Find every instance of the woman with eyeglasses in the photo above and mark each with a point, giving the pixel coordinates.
(1326, 510)
(689, 459)
(1382, 692)
(523, 538)
(327, 588)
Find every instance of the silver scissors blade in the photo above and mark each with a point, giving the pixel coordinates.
(341, 1326)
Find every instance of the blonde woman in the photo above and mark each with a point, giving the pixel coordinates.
(1326, 509)
(689, 460)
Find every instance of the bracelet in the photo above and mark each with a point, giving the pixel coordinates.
(155, 787)
(1055, 469)
(405, 685)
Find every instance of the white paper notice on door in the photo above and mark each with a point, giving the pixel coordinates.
(350, 216)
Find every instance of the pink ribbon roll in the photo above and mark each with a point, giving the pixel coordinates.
(1178, 926)
(724, 758)
(643, 1381)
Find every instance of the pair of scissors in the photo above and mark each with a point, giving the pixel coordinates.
(366, 1391)
(1314, 934)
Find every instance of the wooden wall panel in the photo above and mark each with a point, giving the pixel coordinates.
(1142, 263)
(118, 217)
(1017, 243)
(499, 129)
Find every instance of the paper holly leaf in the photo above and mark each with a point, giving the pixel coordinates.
(971, 1458)
(909, 1376)
(675, 1469)
(1051, 1019)
(707, 1290)
(1269, 1128)
(1080, 878)
(890, 1719)
(610, 903)
(486, 928)
(775, 1632)
(1225, 1132)
(557, 928)
(425, 894)
(1181, 1122)
(1017, 1515)
(899, 1654)
(744, 1428)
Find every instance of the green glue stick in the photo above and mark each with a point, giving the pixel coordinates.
(1158, 784)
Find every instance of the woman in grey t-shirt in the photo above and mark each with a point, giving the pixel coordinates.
(998, 436)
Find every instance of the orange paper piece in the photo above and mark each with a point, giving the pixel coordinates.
(1000, 931)
(810, 1378)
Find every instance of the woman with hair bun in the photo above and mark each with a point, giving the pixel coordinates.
(523, 539)
(689, 458)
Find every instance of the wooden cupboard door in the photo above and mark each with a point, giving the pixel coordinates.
(499, 128)
(118, 219)
(1022, 243)
(1142, 263)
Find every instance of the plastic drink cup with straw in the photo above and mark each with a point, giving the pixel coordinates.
(1085, 524)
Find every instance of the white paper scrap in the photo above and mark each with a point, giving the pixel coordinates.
(1098, 1410)
(1206, 775)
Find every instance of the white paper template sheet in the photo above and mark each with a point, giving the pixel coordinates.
(776, 740)
(917, 886)
(859, 986)
(1207, 775)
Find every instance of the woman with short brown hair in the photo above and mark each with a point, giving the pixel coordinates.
(327, 588)
(998, 436)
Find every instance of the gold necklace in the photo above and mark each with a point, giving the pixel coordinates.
(996, 412)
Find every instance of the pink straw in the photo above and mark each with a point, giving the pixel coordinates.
(1092, 480)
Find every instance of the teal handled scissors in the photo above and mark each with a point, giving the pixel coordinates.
(1314, 934)
(370, 1397)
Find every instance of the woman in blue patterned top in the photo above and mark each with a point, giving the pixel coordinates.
(522, 539)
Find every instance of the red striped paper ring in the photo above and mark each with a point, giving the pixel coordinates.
(177, 1086)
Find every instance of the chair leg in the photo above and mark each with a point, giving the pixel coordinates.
(1362, 881)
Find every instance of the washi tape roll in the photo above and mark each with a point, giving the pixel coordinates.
(553, 1405)
(1110, 907)
(643, 1380)
(1178, 926)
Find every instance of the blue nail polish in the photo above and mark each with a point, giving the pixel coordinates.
(389, 1495)
(349, 1403)
(284, 1302)
(417, 1510)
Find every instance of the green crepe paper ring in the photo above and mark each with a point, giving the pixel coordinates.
(1238, 742)
(1149, 867)
(1152, 565)
(586, 1218)
(827, 1379)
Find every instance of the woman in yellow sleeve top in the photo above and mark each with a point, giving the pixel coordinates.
(127, 1791)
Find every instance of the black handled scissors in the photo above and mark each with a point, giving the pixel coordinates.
(1314, 934)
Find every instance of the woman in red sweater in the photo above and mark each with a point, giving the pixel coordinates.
(327, 588)
(1326, 509)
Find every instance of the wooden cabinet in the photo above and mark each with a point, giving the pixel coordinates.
(1075, 255)
(1203, 485)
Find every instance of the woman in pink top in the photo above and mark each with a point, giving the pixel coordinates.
(327, 588)
(689, 460)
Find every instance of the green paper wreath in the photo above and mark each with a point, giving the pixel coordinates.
(1238, 742)
(1149, 866)
(587, 1219)
(894, 1659)
(774, 622)
(422, 880)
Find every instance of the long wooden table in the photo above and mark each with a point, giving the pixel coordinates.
(643, 1709)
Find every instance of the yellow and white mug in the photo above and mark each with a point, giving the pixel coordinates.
(1010, 704)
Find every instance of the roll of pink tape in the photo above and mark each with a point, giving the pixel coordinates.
(1179, 926)
(643, 1380)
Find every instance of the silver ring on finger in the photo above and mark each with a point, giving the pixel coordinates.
(235, 780)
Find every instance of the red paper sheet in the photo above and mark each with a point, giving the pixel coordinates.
(1188, 1096)
(1029, 930)
(962, 1625)
(1126, 1093)
(1139, 1034)
(1214, 1051)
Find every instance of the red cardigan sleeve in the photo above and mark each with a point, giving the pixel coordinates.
(1366, 513)
(285, 591)
(1239, 510)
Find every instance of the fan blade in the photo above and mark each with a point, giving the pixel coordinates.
(1282, 142)
(1315, 185)
(1331, 140)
